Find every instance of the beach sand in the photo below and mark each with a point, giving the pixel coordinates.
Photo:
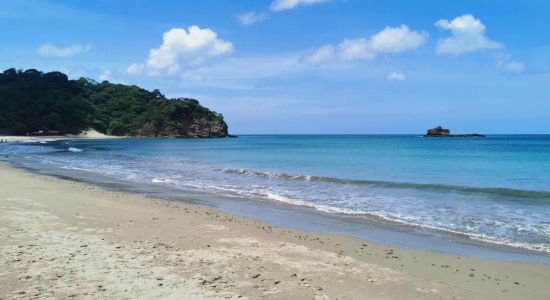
(86, 134)
(24, 139)
(63, 239)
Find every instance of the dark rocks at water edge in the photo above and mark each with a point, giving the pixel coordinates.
(444, 132)
(186, 127)
(438, 131)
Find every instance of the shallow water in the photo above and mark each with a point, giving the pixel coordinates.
(494, 189)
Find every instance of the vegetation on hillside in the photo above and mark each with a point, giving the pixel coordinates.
(31, 101)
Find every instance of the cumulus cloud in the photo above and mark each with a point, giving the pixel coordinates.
(396, 76)
(249, 18)
(280, 5)
(135, 68)
(467, 36)
(355, 49)
(49, 50)
(389, 40)
(397, 39)
(184, 48)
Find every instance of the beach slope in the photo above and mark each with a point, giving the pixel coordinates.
(70, 240)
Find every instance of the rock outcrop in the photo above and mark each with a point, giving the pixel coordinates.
(438, 131)
(200, 127)
(443, 132)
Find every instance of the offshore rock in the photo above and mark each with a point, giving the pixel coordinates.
(443, 132)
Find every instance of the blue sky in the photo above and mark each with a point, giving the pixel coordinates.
(306, 66)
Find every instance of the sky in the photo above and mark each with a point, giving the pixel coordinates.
(306, 66)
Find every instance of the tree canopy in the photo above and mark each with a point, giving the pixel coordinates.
(31, 100)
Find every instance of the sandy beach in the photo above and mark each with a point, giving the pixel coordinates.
(25, 139)
(86, 134)
(62, 239)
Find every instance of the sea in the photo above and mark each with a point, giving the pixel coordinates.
(487, 197)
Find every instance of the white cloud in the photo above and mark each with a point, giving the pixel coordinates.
(395, 76)
(468, 35)
(188, 48)
(320, 55)
(389, 40)
(280, 5)
(135, 68)
(249, 18)
(506, 63)
(397, 39)
(355, 49)
(49, 50)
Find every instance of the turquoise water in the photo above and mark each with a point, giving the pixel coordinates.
(494, 189)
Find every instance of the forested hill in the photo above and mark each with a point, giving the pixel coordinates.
(31, 101)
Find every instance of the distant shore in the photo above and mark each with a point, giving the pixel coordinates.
(87, 134)
(65, 239)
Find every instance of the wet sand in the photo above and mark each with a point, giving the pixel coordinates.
(66, 239)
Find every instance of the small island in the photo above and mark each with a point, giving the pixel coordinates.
(444, 132)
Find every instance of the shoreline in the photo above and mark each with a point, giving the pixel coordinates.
(86, 134)
(62, 238)
(367, 226)
(26, 139)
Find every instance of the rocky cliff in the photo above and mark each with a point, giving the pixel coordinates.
(200, 127)
(133, 111)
